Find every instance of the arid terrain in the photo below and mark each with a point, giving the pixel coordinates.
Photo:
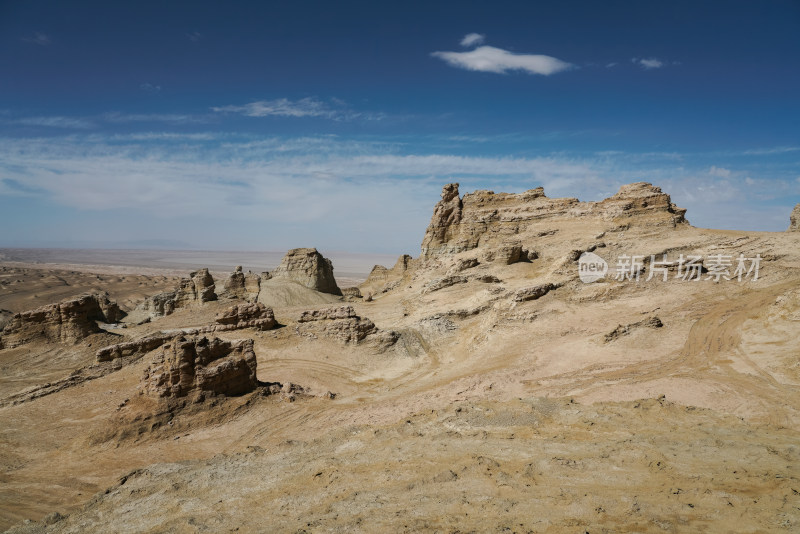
(483, 385)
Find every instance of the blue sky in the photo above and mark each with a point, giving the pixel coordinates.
(260, 125)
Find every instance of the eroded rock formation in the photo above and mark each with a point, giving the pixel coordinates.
(485, 218)
(240, 285)
(196, 289)
(794, 219)
(191, 367)
(381, 279)
(68, 321)
(251, 315)
(340, 323)
(308, 267)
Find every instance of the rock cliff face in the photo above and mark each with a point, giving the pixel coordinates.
(483, 217)
(307, 267)
(198, 288)
(794, 220)
(68, 321)
(340, 323)
(241, 285)
(195, 366)
(251, 315)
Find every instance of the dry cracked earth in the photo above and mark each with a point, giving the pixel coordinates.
(481, 386)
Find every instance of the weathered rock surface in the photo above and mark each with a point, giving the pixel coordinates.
(240, 285)
(340, 323)
(196, 289)
(251, 315)
(624, 330)
(533, 293)
(68, 321)
(446, 281)
(382, 280)
(308, 267)
(138, 347)
(194, 366)
(351, 293)
(794, 220)
(485, 218)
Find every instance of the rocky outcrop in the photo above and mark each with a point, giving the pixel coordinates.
(68, 321)
(196, 289)
(308, 267)
(624, 330)
(251, 315)
(138, 347)
(351, 293)
(794, 220)
(382, 280)
(445, 223)
(340, 323)
(5, 318)
(485, 218)
(533, 293)
(440, 283)
(193, 367)
(241, 285)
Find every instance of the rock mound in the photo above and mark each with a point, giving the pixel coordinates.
(192, 367)
(251, 315)
(68, 321)
(308, 267)
(196, 289)
(241, 285)
(340, 323)
(794, 220)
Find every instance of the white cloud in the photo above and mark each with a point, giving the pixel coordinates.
(612, 64)
(348, 194)
(648, 63)
(282, 107)
(336, 110)
(173, 118)
(39, 38)
(150, 88)
(719, 172)
(491, 59)
(771, 151)
(194, 36)
(472, 39)
(54, 122)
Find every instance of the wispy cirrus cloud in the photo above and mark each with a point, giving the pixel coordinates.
(39, 38)
(499, 61)
(173, 118)
(309, 107)
(282, 107)
(150, 88)
(648, 63)
(473, 39)
(54, 122)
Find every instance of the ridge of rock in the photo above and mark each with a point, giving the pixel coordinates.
(485, 217)
(68, 321)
